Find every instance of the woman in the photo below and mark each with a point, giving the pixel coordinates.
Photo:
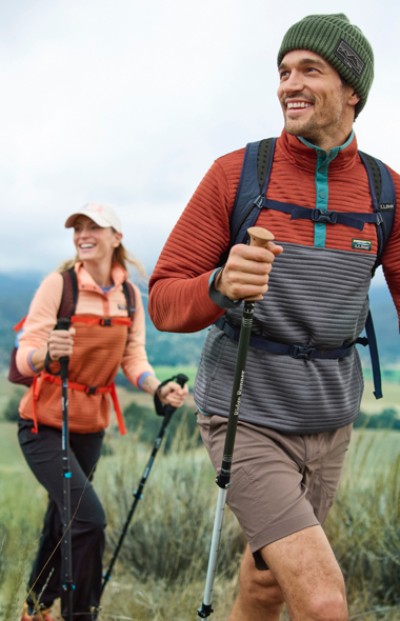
(102, 337)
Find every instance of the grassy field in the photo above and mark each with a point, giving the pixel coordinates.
(391, 397)
(162, 566)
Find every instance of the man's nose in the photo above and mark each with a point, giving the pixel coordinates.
(294, 83)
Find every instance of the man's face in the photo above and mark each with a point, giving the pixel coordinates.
(316, 104)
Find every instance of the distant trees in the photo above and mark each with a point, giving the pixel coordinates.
(10, 413)
(387, 419)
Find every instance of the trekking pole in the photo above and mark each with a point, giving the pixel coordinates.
(68, 586)
(167, 412)
(258, 237)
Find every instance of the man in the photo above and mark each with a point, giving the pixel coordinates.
(296, 412)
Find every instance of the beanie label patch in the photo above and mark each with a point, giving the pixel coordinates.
(350, 58)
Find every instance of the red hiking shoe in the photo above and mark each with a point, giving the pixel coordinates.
(37, 615)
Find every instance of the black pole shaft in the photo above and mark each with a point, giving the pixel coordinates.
(260, 237)
(138, 493)
(68, 586)
(224, 477)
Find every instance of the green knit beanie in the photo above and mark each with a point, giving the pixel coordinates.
(340, 43)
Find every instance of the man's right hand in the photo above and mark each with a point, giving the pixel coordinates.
(245, 274)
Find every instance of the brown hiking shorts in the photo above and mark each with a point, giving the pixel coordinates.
(280, 484)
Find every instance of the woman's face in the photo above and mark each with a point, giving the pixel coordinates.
(94, 243)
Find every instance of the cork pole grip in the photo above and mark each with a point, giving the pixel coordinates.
(259, 237)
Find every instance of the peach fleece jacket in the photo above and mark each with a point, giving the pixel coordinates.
(98, 351)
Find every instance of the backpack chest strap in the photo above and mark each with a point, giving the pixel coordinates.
(107, 322)
(352, 219)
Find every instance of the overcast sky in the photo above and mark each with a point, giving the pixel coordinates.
(128, 102)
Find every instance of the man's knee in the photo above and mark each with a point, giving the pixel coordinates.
(326, 606)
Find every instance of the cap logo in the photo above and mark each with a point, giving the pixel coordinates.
(350, 58)
(98, 208)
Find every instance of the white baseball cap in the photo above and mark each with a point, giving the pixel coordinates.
(103, 215)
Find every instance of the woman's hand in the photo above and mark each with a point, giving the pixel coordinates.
(60, 343)
(172, 394)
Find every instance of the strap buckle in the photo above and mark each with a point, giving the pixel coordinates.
(301, 352)
(106, 321)
(324, 217)
(91, 390)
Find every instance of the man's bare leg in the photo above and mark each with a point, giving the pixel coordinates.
(305, 575)
(310, 578)
(260, 597)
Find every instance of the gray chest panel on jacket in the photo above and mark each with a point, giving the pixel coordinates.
(316, 297)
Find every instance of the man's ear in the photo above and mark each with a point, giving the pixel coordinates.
(354, 98)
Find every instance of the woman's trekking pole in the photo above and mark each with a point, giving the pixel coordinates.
(258, 237)
(167, 412)
(68, 586)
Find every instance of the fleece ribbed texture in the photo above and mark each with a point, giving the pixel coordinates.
(316, 296)
(301, 307)
(179, 300)
(340, 43)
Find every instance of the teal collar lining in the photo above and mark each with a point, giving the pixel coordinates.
(321, 183)
(333, 152)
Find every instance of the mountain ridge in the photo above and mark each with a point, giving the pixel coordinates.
(166, 348)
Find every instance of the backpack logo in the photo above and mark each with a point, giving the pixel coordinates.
(350, 58)
(361, 244)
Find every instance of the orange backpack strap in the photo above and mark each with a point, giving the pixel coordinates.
(90, 320)
(18, 326)
(89, 390)
(117, 408)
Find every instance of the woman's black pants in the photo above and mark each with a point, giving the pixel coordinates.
(43, 453)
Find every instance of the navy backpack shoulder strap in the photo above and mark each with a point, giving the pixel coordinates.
(383, 196)
(253, 182)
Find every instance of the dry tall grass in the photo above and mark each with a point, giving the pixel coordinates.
(160, 573)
